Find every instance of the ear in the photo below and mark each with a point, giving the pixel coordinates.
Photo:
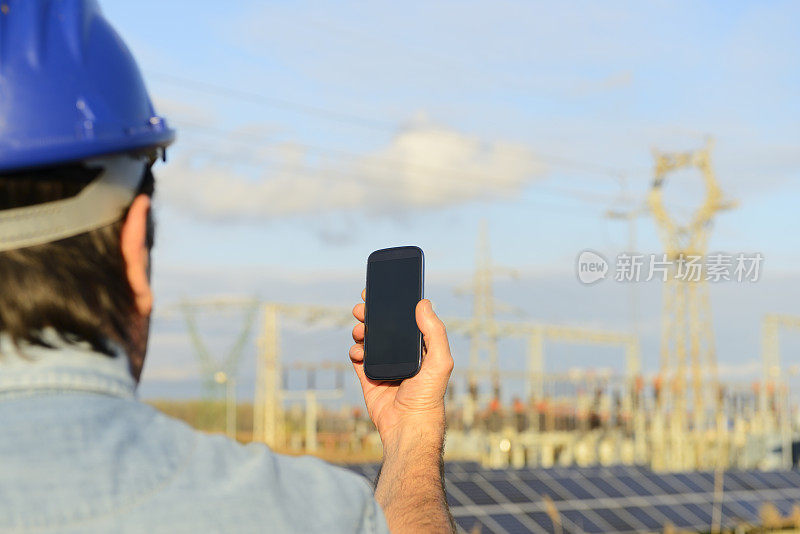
(136, 255)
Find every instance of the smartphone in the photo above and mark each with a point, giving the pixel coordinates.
(392, 340)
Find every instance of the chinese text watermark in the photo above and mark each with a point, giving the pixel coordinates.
(592, 267)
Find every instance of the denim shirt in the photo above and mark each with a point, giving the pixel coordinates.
(79, 453)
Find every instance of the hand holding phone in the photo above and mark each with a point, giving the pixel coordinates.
(417, 403)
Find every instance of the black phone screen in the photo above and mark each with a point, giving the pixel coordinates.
(394, 287)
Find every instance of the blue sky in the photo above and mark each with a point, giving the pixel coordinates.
(310, 134)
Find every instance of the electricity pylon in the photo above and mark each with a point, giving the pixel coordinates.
(484, 335)
(483, 327)
(538, 333)
(270, 393)
(218, 372)
(630, 217)
(774, 402)
(687, 343)
(311, 395)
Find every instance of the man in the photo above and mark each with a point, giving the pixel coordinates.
(78, 452)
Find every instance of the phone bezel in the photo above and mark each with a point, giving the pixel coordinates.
(401, 370)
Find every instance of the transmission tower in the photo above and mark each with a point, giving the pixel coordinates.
(219, 373)
(482, 329)
(484, 335)
(774, 397)
(311, 394)
(687, 344)
(537, 334)
(270, 393)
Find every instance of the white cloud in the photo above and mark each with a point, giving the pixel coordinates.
(423, 166)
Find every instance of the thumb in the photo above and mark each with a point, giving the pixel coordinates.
(433, 331)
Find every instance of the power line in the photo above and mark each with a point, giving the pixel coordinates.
(393, 166)
(311, 172)
(258, 98)
(370, 123)
(378, 162)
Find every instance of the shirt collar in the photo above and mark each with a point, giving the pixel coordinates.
(31, 369)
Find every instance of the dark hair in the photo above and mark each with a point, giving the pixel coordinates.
(77, 285)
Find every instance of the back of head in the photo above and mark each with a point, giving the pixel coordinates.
(78, 136)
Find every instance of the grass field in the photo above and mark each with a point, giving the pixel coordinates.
(209, 416)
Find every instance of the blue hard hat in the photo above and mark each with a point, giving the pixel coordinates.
(69, 87)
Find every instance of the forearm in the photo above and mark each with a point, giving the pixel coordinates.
(410, 487)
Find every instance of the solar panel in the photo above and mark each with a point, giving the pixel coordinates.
(732, 483)
(470, 467)
(638, 489)
(510, 523)
(607, 488)
(752, 480)
(452, 500)
(577, 490)
(510, 491)
(792, 477)
(583, 523)
(745, 482)
(474, 492)
(620, 470)
(613, 518)
(704, 479)
(541, 488)
(793, 494)
(751, 507)
(644, 517)
(786, 482)
(622, 499)
(541, 519)
(693, 483)
(679, 515)
(784, 505)
(733, 513)
(702, 511)
(663, 482)
(772, 480)
(468, 524)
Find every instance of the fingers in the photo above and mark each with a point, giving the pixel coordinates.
(357, 350)
(435, 336)
(357, 353)
(358, 333)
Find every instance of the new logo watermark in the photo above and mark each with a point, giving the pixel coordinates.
(591, 267)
